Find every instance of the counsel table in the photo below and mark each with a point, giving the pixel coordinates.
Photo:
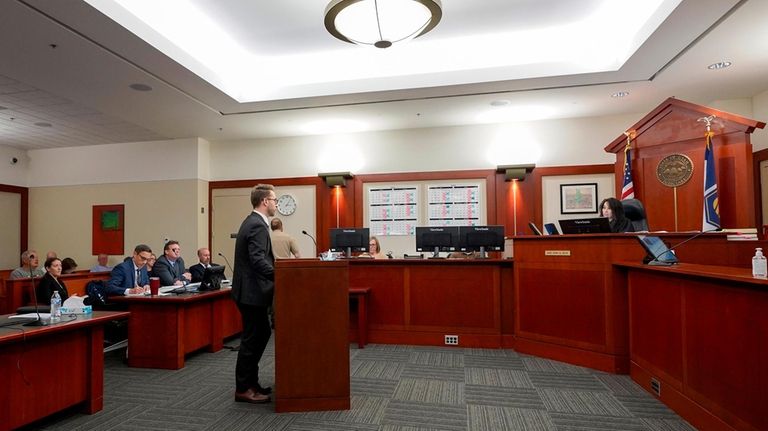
(29, 356)
(163, 329)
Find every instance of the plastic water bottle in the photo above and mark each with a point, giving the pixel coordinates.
(56, 305)
(759, 267)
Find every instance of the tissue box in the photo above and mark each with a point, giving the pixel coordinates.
(85, 309)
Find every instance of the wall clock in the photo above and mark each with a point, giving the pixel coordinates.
(286, 205)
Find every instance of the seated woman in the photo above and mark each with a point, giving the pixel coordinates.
(374, 249)
(68, 266)
(51, 282)
(612, 208)
(151, 263)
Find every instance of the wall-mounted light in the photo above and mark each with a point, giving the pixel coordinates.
(336, 179)
(515, 172)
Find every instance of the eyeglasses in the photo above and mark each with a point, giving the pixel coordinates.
(32, 256)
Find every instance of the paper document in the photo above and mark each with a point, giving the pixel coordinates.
(43, 316)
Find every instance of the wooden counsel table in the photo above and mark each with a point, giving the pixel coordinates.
(311, 335)
(699, 342)
(50, 368)
(163, 329)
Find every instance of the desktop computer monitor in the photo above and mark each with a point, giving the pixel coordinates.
(349, 239)
(212, 278)
(437, 239)
(585, 225)
(481, 238)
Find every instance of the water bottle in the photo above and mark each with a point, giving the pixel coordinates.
(759, 267)
(55, 306)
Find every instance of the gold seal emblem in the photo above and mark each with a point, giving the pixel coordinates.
(674, 170)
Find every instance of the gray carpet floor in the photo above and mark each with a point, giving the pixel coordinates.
(394, 388)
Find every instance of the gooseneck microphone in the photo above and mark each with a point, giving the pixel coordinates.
(227, 261)
(311, 237)
(696, 235)
(39, 321)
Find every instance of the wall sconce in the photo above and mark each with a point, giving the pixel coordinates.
(515, 172)
(336, 179)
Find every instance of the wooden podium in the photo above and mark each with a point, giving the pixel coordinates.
(311, 335)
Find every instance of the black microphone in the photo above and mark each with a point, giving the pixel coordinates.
(228, 265)
(698, 234)
(39, 321)
(313, 238)
(389, 255)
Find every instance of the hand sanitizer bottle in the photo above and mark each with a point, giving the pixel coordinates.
(759, 267)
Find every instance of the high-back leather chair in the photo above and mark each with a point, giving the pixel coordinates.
(635, 212)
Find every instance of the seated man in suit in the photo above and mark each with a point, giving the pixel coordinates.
(130, 277)
(197, 270)
(170, 266)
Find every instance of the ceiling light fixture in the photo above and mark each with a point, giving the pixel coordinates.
(719, 65)
(381, 23)
(620, 94)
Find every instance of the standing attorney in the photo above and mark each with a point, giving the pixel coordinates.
(253, 285)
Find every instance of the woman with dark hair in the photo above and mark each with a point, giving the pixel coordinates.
(612, 208)
(51, 282)
(68, 265)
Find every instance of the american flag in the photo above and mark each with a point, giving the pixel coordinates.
(711, 219)
(628, 190)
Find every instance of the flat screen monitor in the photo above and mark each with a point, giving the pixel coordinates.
(349, 239)
(437, 239)
(212, 278)
(481, 238)
(585, 225)
(658, 252)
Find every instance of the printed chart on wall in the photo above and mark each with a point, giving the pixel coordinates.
(453, 204)
(393, 210)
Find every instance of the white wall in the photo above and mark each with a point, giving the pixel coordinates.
(760, 111)
(115, 163)
(575, 141)
(13, 174)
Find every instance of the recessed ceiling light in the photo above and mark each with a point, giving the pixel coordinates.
(719, 65)
(620, 94)
(140, 87)
(43, 124)
(500, 102)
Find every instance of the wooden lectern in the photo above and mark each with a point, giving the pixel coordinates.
(311, 335)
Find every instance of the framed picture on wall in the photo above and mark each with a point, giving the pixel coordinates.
(578, 198)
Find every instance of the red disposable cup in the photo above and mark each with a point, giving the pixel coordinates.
(154, 285)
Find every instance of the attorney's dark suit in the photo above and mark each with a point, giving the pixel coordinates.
(123, 277)
(168, 273)
(47, 286)
(253, 285)
(197, 272)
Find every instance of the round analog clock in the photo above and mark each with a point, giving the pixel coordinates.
(286, 205)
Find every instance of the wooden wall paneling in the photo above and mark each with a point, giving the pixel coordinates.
(386, 300)
(725, 329)
(656, 331)
(672, 128)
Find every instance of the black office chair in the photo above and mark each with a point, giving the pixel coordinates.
(635, 212)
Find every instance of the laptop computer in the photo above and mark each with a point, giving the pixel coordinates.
(551, 229)
(658, 252)
(585, 225)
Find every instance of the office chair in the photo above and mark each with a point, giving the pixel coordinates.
(635, 212)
